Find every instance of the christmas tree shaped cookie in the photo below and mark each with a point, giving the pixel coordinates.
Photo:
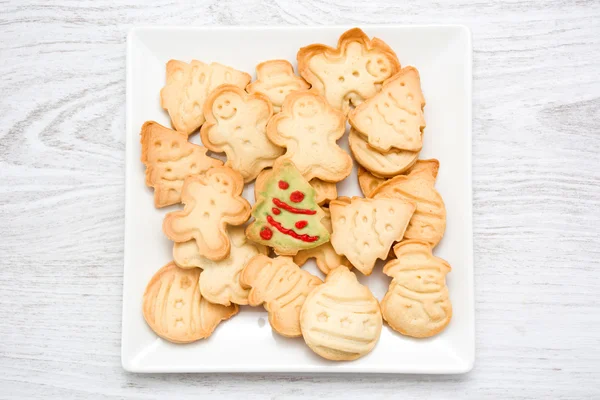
(287, 217)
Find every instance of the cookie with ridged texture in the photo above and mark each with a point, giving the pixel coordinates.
(220, 283)
(176, 311)
(188, 87)
(276, 79)
(417, 303)
(309, 128)
(236, 124)
(428, 223)
(382, 164)
(393, 118)
(281, 286)
(212, 202)
(365, 229)
(341, 319)
(169, 159)
(352, 72)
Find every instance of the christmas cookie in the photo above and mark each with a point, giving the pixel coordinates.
(325, 256)
(212, 201)
(367, 181)
(382, 164)
(417, 302)
(175, 310)
(351, 73)
(220, 283)
(188, 87)
(282, 287)
(169, 159)
(275, 79)
(236, 124)
(308, 128)
(393, 118)
(326, 191)
(429, 220)
(341, 319)
(287, 216)
(365, 229)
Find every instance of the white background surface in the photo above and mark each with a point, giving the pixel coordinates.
(536, 144)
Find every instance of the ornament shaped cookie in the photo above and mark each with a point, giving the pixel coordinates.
(308, 128)
(428, 223)
(169, 159)
(351, 73)
(287, 216)
(236, 124)
(188, 87)
(367, 181)
(417, 303)
(385, 165)
(393, 118)
(220, 283)
(175, 310)
(282, 287)
(341, 319)
(365, 229)
(326, 191)
(212, 201)
(324, 255)
(276, 79)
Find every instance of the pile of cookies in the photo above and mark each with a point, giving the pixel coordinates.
(281, 133)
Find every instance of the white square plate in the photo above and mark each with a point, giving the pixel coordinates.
(246, 343)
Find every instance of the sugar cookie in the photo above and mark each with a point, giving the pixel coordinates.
(351, 73)
(341, 319)
(175, 310)
(212, 201)
(188, 86)
(367, 181)
(236, 124)
(364, 229)
(282, 286)
(417, 302)
(169, 159)
(276, 79)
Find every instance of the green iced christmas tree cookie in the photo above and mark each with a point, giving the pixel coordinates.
(287, 216)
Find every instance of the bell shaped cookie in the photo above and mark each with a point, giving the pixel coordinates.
(341, 319)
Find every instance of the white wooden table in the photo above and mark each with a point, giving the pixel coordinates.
(536, 152)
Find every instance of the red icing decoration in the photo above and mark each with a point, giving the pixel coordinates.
(301, 224)
(289, 232)
(291, 209)
(266, 233)
(276, 211)
(283, 185)
(297, 196)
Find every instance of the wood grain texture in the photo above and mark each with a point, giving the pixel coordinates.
(536, 172)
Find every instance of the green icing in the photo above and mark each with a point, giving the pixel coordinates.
(264, 207)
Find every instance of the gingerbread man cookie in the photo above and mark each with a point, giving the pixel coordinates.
(236, 124)
(212, 201)
(188, 86)
(308, 128)
(351, 73)
(276, 79)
